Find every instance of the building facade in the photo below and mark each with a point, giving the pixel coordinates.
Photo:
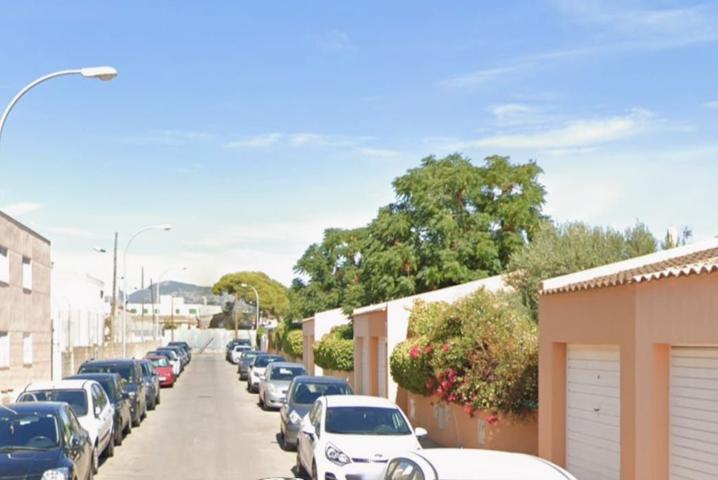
(25, 318)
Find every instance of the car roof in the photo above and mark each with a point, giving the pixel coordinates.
(358, 401)
(74, 384)
(286, 364)
(93, 375)
(113, 361)
(476, 464)
(318, 379)
(31, 407)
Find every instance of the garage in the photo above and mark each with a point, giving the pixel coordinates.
(694, 413)
(593, 442)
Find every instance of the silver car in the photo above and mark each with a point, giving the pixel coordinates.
(273, 387)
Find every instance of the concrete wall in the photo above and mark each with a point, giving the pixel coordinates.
(644, 320)
(25, 311)
(212, 339)
(71, 360)
(449, 426)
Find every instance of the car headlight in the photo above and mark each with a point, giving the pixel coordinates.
(294, 417)
(56, 474)
(336, 456)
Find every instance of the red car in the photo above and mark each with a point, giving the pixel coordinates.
(163, 369)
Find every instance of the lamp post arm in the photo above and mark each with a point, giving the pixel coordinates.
(30, 86)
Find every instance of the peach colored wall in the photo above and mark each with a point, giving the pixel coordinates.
(368, 328)
(348, 376)
(644, 320)
(461, 430)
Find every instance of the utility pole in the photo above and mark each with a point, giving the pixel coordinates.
(114, 287)
(172, 316)
(142, 298)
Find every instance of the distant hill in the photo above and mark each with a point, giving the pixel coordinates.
(190, 293)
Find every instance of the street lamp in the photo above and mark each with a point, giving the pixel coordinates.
(256, 294)
(124, 279)
(100, 73)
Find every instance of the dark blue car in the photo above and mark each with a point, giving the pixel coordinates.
(41, 437)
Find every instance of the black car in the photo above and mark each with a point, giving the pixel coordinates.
(245, 361)
(112, 383)
(152, 384)
(131, 372)
(185, 346)
(39, 437)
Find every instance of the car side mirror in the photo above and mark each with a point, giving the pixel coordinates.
(76, 441)
(420, 432)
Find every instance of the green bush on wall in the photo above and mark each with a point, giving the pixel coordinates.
(293, 344)
(335, 351)
(480, 352)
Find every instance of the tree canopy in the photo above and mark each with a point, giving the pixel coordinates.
(559, 249)
(451, 222)
(273, 296)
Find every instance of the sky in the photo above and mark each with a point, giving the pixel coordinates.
(252, 127)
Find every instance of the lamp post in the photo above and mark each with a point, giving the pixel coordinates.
(100, 73)
(124, 279)
(256, 294)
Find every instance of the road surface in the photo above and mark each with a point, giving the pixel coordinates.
(207, 427)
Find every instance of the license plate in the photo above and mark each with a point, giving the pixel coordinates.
(162, 379)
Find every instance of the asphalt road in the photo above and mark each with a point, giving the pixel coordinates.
(206, 427)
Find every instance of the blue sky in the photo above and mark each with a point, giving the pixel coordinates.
(251, 127)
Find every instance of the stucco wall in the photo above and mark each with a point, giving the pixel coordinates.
(25, 311)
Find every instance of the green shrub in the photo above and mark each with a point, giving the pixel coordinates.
(293, 343)
(480, 352)
(335, 351)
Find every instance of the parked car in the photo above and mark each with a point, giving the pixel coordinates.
(256, 370)
(152, 383)
(232, 343)
(91, 405)
(277, 377)
(46, 441)
(112, 384)
(345, 435)
(181, 354)
(164, 370)
(237, 351)
(183, 345)
(245, 361)
(471, 464)
(131, 373)
(172, 358)
(303, 391)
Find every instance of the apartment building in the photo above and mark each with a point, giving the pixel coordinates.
(25, 319)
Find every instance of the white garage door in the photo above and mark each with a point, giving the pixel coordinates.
(593, 419)
(694, 413)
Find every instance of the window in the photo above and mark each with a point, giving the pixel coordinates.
(4, 265)
(177, 311)
(4, 349)
(27, 348)
(26, 273)
(145, 311)
(193, 311)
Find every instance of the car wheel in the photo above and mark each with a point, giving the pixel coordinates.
(300, 469)
(135, 422)
(157, 400)
(151, 405)
(90, 474)
(119, 437)
(144, 413)
(95, 460)
(314, 471)
(110, 449)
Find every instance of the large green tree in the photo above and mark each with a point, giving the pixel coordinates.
(560, 249)
(273, 296)
(452, 222)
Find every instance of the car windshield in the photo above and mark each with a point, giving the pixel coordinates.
(125, 371)
(366, 421)
(247, 357)
(109, 386)
(286, 373)
(171, 353)
(264, 360)
(75, 398)
(28, 431)
(306, 393)
(159, 362)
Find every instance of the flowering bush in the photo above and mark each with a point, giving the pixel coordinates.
(335, 351)
(480, 352)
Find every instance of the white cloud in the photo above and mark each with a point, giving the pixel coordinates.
(712, 104)
(21, 208)
(575, 134)
(514, 114)
(480, 77)
(169, 137)
(257, 141)
(378, 152)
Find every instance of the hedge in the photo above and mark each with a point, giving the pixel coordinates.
(293, 344)
(480, 352)
(335, 351)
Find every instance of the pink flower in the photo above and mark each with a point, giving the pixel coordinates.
(414, 353)
(492, 419)
(446, 347)
(468, 409)
(428, 349)
(445, 385)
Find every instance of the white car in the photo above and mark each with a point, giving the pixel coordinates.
(471, 464)
(237, 351)
(353, 436)
(91, 405)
